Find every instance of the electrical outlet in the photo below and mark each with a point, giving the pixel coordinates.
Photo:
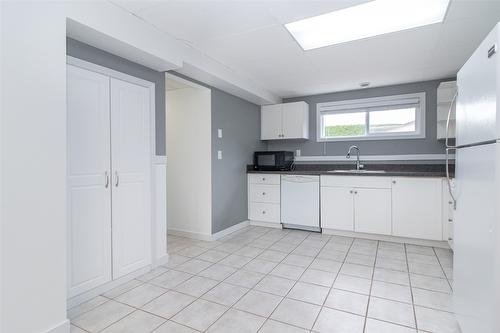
(219, 133)
(219, 154)
(297, 153)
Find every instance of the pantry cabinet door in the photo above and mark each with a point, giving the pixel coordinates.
(88, 170)
(131, 165)
(372, 211)
(416, 208)
(337, 209)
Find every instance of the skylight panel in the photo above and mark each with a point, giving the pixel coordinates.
(366, 20)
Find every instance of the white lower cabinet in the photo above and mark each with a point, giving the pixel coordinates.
(372, 210)
(398, 206)
(416, 208)
(356, 209)
(337, 208)
(264, 198)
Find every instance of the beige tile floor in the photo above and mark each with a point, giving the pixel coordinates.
(274, 281)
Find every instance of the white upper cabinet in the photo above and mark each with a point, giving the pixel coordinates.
(285, 121)
(445, 93)
(416, 208)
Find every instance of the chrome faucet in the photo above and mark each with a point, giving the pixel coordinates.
(358, 165)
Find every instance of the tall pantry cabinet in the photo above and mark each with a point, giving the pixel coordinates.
(109, 178)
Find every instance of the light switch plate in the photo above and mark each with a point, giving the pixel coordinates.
(297, 153)
(219, 154)
(219, 133)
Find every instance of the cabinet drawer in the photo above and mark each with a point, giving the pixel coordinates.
(266, 212)
(263, 178)
(264, 193)
(356, 181)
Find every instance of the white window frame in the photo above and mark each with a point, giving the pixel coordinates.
(363, 105)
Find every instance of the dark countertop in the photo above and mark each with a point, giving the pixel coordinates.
(391, 170)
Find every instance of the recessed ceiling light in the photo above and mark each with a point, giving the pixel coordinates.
(369, 19)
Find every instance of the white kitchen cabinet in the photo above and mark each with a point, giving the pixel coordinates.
(109, 185)
(360, 204)
(372, 211)
(271, 120)
(285, 121)
(337, 208)
(264, 198)
(130, 156)
(416, 208)
(89, 191)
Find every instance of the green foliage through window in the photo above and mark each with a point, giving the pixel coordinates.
(344, 130)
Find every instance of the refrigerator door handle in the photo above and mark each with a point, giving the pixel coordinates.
(453, 101)
(448, 179)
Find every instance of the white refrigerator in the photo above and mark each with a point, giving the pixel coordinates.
(476, 272)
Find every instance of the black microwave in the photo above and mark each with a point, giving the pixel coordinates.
(273, 160)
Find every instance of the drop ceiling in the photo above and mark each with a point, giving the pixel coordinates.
(249, 38)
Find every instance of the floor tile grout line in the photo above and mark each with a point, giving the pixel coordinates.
(247, 242)
(167, 290)
(440, 265)
(250, 289)
(411, 289)
(284, 297)
(333, 283)
(371, 286)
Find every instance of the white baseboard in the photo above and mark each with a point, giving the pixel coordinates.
(62, 327)
(205, 237)
(79, 299)
(387, 238)
(266, 224)
(230, 230)
(189, 234)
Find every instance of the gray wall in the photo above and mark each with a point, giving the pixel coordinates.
(91, 54)
(240, 123)
(428, 145)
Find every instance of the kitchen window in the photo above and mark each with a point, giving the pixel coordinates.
(378, 118)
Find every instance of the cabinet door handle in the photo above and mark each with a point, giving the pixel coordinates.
(350, 191)
(117, 179)
(394, 182)
(106, 179)
(263, 179)
(450, 220)
(355, 192)
(263, 212)
(263, 193)
(450, 239)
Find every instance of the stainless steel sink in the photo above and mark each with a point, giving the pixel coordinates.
(357, 171)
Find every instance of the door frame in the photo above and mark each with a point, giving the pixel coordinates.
(153, 159)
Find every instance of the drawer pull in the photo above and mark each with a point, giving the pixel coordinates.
(350, 191)
(394, 182)
(355, 192)
(263, 193)
(263, 179)
(263, 212)
(450, 220)
(450, 239)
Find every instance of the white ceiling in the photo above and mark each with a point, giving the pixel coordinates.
(248, 37)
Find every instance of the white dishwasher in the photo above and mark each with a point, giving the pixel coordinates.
(300, 202)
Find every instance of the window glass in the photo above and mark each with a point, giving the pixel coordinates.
(344, 124)
(393, 121)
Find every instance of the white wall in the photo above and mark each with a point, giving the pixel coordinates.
(189, 190)
(33, 168)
